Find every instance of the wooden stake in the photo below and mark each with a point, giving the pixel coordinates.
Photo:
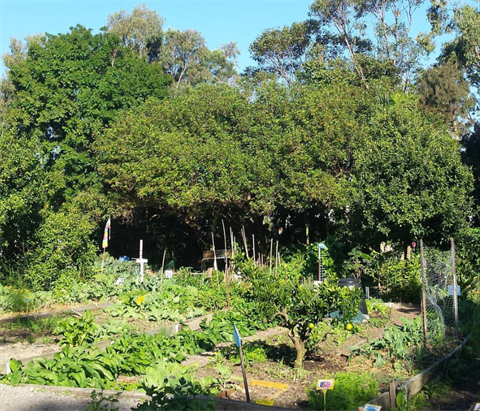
(455, 298)
(253, 247)
(244, 373)
(271, 254)
(226, 266)
(245, 241)
(424, 294)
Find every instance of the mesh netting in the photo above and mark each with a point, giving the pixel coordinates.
(439, 289)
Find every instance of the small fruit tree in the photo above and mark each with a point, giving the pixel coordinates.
(296, 302)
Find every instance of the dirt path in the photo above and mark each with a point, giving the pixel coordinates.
(23, 350)
(464, 389)
(28, 398)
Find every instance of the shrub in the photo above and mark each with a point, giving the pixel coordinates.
(350, 391)
(61, 247)
(397, 280)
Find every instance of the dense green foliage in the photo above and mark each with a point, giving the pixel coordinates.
(286, 296)
(331, 132)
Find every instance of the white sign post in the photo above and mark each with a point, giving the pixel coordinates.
(142, 261)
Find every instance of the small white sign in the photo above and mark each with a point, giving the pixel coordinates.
(450, 290)
(325, 384)
(168, 273)
(477, 407)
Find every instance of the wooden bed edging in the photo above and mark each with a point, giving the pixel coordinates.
(415, 384)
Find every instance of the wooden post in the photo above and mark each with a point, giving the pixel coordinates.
(163, 266)
(393, 394)
(424, 294)
(455, 298)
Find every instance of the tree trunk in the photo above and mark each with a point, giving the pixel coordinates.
(300, 348)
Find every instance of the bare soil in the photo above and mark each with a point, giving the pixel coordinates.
(21, 350)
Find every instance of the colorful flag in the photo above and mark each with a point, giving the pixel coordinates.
(106, 234)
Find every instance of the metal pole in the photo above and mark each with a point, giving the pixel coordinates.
(455, 298)
(424, 295)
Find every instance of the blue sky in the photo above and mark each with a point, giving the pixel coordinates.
(219, 21)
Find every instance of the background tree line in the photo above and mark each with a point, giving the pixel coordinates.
(338, 127)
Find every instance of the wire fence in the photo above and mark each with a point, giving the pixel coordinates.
(440, 307)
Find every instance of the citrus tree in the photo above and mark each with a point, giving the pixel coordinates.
(296, 303)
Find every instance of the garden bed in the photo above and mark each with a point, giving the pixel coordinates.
(269, 355)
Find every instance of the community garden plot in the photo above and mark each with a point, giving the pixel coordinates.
(362, 358)
(145, 362)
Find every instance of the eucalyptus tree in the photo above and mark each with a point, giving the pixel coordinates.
(140, 30)
(185, 56)
(283, 51)
(392, 41)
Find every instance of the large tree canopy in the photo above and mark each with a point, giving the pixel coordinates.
(384, 168)
(67, 88)
(156, 130)
(408, 181)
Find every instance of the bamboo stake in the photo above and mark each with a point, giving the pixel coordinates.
(163, 265)
(226, 266)
(215, 267)
(244, 373)
(253, 247)
(245, 242)
(232, 242)
(271, 254)
(276, 259)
